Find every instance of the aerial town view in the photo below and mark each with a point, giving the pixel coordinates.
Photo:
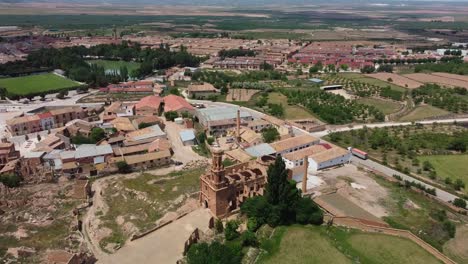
(237, 132)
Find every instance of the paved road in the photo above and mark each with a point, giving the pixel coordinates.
(441, 194)
(387, 124)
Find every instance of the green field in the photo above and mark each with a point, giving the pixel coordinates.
(312, 244)
(290, 111)
(115, 65)
(452, 166)
(34, 84)
(370, 80)
(387, 107)
(422, 112)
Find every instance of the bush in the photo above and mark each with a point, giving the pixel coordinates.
(10, 180)
(459, 203)
(123, 167)
(219, 228)
(270, 134)
(230, 232)
(307, 212)
(143, 125)
(171, 115)
(252, 224)
(249, 239)
(450, 228)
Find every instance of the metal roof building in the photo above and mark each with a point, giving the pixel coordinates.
(260, 150)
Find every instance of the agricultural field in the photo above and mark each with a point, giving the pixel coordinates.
(393, 78)
(372, 81)
(451, 76)
(291, 112)
(36, 84)
(110, 65)
(242, 95)
(451, 166)
(437, 79)
(310, 244)
(386, 106)
(423, 112)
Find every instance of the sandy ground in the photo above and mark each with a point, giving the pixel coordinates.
(181, 153)
(356, 186)
(165, 245)
(341, 92)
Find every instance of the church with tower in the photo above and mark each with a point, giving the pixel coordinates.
(223, 190)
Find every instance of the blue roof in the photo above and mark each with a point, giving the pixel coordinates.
(316, 80)
(260, 150)
(187, 135)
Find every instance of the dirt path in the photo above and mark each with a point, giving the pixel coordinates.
(165, 245)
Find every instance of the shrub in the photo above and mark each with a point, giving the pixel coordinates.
(203, 253)
(219, 228)
(230, 232)
(171, 115)
(459, 203)
(10, 180)
(123, 167)
(249, 239)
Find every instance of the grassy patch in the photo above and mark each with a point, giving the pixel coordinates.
(115, 65)
(145, 199)
(313, 244)
(298, 244)
(387, 107)
(39, 83)
(290, 111)
(452, 166)
(422, 112)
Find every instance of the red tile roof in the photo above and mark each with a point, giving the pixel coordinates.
(176, 103)
(45, 115)
(149, 101)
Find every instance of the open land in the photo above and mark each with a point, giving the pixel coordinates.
(242, 95)
(422, 112)
(365, 79)
(386, 106)
(311, 244)
(137, 204)
(43, 223)
(36, 83)
(396, 79)
(451, 166)
(291, 112)
(430, 78)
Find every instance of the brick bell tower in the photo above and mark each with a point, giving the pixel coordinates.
(217, 169)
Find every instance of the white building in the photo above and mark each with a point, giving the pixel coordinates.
(294, 144)
(320, 156)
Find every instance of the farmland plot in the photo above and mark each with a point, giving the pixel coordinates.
(430, 78)
(396, 79)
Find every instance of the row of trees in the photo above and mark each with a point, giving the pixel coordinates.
(456, 67)
(231, 53)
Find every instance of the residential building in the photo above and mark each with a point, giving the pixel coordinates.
(148, 160)
(149, 120)
(146, 135)
(201, 91)
(149, 106)
(177, 104)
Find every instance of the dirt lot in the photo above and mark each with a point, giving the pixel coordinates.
(451, 76)
(396, 79)
(431, 78)
(39, 217)
(242, 95)
(356, 186)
